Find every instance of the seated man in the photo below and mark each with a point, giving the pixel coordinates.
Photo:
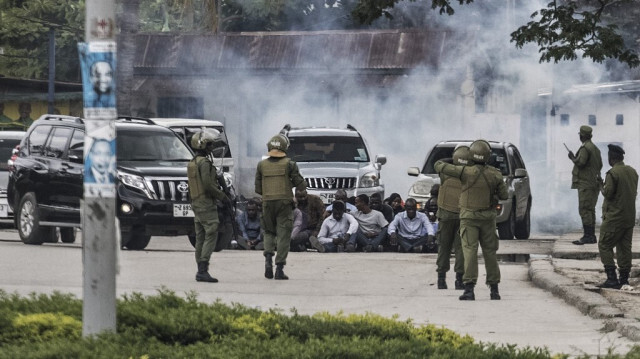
(376, 203)
(411, 229)
(372, 227)
(335, 231)
(431, 207)
(312, 209)
(340, 195)
(250, 236)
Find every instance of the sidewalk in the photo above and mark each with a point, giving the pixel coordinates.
(572, 273)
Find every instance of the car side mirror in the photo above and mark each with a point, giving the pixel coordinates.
(520, 172)
(413, 171)
(381, 159)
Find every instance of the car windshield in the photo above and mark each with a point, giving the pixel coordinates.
(497, 160)
(152, 146)
(327, 149)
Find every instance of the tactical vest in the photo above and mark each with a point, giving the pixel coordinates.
(449, 194)
(477, 191)
(275, 180)
(196, 187)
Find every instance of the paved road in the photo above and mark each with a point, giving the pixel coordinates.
(382, 283)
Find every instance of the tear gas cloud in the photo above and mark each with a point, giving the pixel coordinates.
(407, 118)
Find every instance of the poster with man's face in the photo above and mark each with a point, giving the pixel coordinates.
(98, 64)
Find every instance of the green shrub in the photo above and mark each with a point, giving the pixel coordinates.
(45, 326)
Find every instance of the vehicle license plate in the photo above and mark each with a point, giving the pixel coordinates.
(182, 210)
(327, 198)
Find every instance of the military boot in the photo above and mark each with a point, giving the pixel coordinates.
(468, 292)
(280, 273)
(495, 295)
(588, 236)
(442, 283)
(612, 278)
(624, 277)
(459, 284)
(203, 273)
(268, 266)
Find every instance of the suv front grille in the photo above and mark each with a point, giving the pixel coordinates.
(331, 182)
(169, 189)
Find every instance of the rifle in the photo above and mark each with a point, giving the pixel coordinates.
(565, 146)
(228, 208)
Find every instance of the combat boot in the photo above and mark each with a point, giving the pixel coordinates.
(268, 266)
(612, 278)
(495, 295)
(588, 236)
(468, 292)
(459, 284)
(624, 277)
(442, 283)
(203, 273)
(280, 273)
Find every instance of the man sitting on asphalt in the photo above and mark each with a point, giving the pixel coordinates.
(336, 230)
(411, 229)
(249, 227)
(340, 195)
(372, 227)
(312, 209)
(375, 202)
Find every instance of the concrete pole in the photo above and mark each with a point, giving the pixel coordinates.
(52, 69)
(100, 242)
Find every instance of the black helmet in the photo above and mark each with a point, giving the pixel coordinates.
(480, 151)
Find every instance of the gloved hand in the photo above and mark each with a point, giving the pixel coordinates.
(572, 156)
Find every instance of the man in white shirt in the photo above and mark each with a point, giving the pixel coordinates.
(411, 229)
(372, 227)
(336, 230)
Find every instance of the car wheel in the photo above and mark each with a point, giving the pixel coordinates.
(28, 222)
(68, 235)
(135, 240)
(192, 239)
(523, 226)
(508, 227)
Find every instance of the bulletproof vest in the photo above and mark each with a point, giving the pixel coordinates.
(477, 191)
(196, 187)
(449, 194)
(275, 180)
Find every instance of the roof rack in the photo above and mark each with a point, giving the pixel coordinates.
(50, 117)
(351, 128)
(135, 119)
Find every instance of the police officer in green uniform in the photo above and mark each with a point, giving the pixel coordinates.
(205, 191)
(618, 218)
(587, 164)
(276, 176)
(449, 222)
(481, 185)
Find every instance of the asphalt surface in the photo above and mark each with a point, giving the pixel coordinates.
(571, 272)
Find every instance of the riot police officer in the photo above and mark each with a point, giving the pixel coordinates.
(205, 191)
(481, 184)
(449, 222)
(587, 164)
(618, 218)
(276, 176)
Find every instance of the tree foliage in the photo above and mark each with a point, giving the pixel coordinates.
(564, 30)
(24, 37)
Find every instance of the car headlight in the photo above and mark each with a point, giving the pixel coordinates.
(135, 182)
(422, 187)
(369, 180)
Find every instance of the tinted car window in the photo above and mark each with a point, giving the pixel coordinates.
(6, 148)
(153, 146)
(327, 149)
(58, 142)
(37, 139)
(497, 160)
(76, 147)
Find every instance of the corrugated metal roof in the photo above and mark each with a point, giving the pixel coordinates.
(320, 50)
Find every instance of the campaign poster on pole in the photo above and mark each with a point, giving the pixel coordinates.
(98, 63)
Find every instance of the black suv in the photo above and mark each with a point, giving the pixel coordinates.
(46, 181)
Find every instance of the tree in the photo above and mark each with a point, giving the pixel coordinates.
(24, 37)
(564, 30)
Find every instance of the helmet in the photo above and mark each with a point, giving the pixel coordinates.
(480, 151)
(461, 155)
(278, 145)
(208, 140)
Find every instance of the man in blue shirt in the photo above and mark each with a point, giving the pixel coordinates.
(336, 230)
(249, 226)
(411, 229)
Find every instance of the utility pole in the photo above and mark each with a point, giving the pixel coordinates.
(100, 235)
(52, 69)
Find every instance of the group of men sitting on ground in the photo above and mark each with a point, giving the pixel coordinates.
(368, 225)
